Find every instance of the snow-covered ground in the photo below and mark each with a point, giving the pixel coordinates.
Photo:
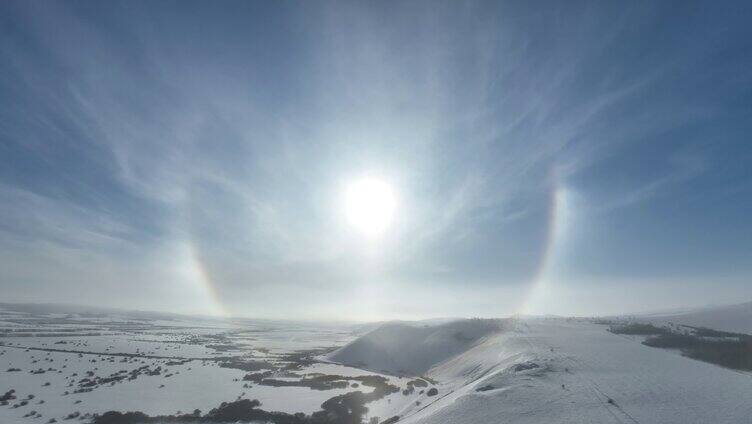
(517, 370)
(45, 356)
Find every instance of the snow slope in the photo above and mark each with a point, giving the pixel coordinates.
(580, 366)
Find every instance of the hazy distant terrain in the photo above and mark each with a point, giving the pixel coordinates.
(734, 318)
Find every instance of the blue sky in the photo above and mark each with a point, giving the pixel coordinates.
(546, 157)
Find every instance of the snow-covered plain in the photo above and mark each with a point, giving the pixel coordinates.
(517, 370)
(45, 356)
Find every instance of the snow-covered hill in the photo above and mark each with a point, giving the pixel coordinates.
(556, 370)
(413, 348)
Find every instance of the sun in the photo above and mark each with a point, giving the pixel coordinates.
(370, 205)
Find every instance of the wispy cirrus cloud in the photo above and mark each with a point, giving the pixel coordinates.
(135, 133)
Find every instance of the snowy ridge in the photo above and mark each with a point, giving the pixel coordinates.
(557, 370)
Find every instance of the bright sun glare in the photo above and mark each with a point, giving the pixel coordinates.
(370, 205)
